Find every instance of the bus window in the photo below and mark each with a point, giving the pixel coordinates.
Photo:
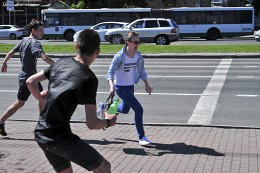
(104, 17)
(196, 18)
(122, 17)
(86, 19)
(52, 20)
(180, 17)
(69, 19)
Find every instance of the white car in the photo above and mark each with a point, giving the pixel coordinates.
(103, 27)
(11, 31)
(257, 35)
(151, 30)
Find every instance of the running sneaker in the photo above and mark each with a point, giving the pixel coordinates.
(144, 141)
(2, 130)
(100, 109)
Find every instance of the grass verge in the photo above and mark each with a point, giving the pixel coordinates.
(147, 48)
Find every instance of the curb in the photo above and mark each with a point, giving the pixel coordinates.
(166, 55)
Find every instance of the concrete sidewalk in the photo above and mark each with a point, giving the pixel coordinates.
(175, 148)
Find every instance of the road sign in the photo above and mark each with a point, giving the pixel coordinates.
(10, 5)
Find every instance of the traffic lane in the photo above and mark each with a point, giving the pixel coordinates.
(238, 105)
(172, 103)
(240, 97)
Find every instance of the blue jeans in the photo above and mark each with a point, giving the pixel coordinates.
(126, 93)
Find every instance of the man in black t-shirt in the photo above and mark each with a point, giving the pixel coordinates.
(30, 49)
(71, 82)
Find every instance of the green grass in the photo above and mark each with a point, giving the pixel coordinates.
(148, 48)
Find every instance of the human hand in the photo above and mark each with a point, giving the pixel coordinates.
(148, 89)
(44, 95)
(112, 118)
(4, 67)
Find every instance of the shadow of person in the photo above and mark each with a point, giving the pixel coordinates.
(102, 142)
(157, 149)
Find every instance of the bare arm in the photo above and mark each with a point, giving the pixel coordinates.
(46, 58)
(148, 88)
(7, 57)
(95, 123)
(32, 83)
(111, 87)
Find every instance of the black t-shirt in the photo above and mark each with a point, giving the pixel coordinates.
(29, 49)
(70, 83)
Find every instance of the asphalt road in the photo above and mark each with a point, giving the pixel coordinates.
(186, 91)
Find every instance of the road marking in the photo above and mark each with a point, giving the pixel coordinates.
(150, 76)
(245, 77)
(247, 95)
(250, 66)
(204, 110)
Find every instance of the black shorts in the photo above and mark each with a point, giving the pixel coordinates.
(79, 152)
(23, 91)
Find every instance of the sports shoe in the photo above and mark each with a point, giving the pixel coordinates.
(100, 109)
(2, 130)
(144, 141)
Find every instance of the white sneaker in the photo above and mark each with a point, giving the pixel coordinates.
(101, 106)
(144, 141)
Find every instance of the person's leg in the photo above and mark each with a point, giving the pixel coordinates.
(77, 151)
(22, 96)
(68, 170)
(59, 163)
(105, 167)
(126, 93)
(8, 113)
(11, 110)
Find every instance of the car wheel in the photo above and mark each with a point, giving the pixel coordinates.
(69, 35)
(117, 39)
(162, 40)
(12, 36)
(212, 34)
(257, 39)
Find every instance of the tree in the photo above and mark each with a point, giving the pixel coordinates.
(80, 4)
(256, 4)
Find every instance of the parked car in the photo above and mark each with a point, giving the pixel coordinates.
(12, 31)
(257, 35)
(103, 27)
(151, 30)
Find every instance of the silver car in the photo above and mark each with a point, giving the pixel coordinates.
(103, 27)
(11, 31)
(161, 31)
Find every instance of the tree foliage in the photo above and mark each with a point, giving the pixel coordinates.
(80, 4)
(256, 4)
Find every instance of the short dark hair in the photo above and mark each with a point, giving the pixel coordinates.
(35, 24)
(88, 41)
